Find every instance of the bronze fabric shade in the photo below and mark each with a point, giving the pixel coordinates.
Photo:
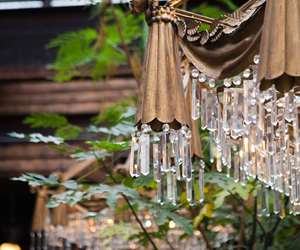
(280, 45)
(161, 98)
(231, 53)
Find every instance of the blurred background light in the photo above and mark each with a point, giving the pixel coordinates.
(9, 246)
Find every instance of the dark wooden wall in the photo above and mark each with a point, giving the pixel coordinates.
(25, 34)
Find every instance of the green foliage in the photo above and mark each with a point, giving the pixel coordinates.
(74, 49)
(110, 146)
(63, 128)
(36, 180)
(46, 120)
(229, 186)
(68, 132)
(206, 8)
(116, 114)
(97, 52)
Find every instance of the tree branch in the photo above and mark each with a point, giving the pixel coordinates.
(270, 235)
(136, 70)
(206, 240)
(254, 222)
(242, 237)
(248, 211)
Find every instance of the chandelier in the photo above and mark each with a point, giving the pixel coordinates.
(239, 78)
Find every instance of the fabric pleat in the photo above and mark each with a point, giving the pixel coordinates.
(161, 98)
(280, 45)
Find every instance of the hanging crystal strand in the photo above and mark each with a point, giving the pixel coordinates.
(174, 161)
(296, 166)
(227, 110)
(203, 111)
(287, 172)
(219, 133)
(201, 181)
(229, 160)
(161, 190)
(234, 129)
(190, 192)
(156, 157)
(297, 200)
(279, 169)
(144, 143)
(181, 143)
(188, 166)
(237, 123)
(211, 111)
(296, 134)
(293, 179)
(260, 201)
(277, 202)
(262, 163)
(219, 161)
(174, 186)
(252, 151)
(266, 201)
(270, 135)
(134, 166)
(211, 149)
(195, 100)
(289, 162)
(169, 176)
(251, 102)
(274, 106)
(175, 153)
(226, 153)
(246, 85)
(164, 148)
(246, 155)
(261, 120)
(243, 177)
(236, 166)
(289, 106)
(271, 167)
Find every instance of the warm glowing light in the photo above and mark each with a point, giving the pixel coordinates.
(172, 224)
(9, 246)
(197, 233)
(147, 216)
(110, 222)
(148, 223)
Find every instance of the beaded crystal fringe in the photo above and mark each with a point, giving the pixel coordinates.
(167, 155)
(253, 134)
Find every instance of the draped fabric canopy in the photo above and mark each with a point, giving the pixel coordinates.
(230, 54)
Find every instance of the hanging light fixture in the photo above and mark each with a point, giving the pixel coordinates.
(244, 76)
